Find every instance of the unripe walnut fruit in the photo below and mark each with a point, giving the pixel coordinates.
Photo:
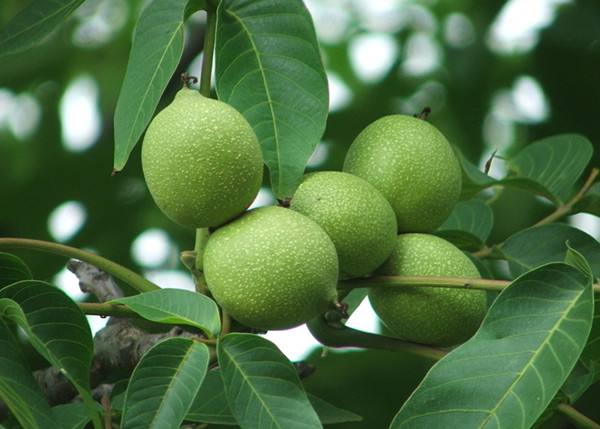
(412, 164)
(201, 160)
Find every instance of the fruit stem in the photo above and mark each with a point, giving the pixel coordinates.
(201, 240)
(425, 281)
(225, 323)
(209, 48)
(198, 267)
(130, 277)
(338, 335)
(580, 420)
(424, 113)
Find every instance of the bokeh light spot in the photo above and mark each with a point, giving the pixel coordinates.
(79, 114)
(69, 283)
(171, 279)
(66, 220)
(372, 55)
(151, 248)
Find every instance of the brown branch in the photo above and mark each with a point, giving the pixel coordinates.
(117, 347)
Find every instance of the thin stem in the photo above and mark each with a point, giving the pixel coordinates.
(484, 252)
(209, 48)
(106, 411)
(339, 335)
(425, 281)
(561, 211)
(225, 323)
(199, 245)
(106, 309)
(565, 209)
(130, 277)
(580, 420)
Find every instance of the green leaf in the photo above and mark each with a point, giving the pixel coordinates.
(539, 245)
(591, 353)
(34, 23)
(164, 384)
(330, 414)
(469, 225)
(262, 386)
(269, 68)
(511, 369)
(12, 269)
(56, 328)
(579, 380)
(590, 203)
(587, 370)
(176, 307)
(18, 389)
(554, 162)
(548, 167)
(155, 53)
(71, 416)
(473, 179)
(211, 406)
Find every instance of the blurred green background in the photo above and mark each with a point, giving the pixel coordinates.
(497, 75)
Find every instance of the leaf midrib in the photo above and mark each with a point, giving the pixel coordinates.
(48, 17)
(154, 73)
(267, 91)
(173, 378)
(247, 380)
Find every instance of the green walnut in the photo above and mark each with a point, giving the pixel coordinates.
(272, 268)
(358, 219)
(412, 164)
(429, 315)
(201, 160)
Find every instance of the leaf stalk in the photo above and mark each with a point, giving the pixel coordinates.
(209, 48)
(580, 420)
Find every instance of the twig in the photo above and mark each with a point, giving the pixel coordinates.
(426, 281)
(580, 420)
(334, 334)
(117, 347)
(106, 411)
(565, 209)
(225, 323)
(561, 211)
(106, 309)
(95, 281)
(120, 272)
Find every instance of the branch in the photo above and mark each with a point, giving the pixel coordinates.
(95, 281)
(580, 420)
(565, 209)
(117, 347)
(125, 274)
(336, 334)
(426, 281)
(560, 211)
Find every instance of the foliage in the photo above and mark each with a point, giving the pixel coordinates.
(536, 352)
